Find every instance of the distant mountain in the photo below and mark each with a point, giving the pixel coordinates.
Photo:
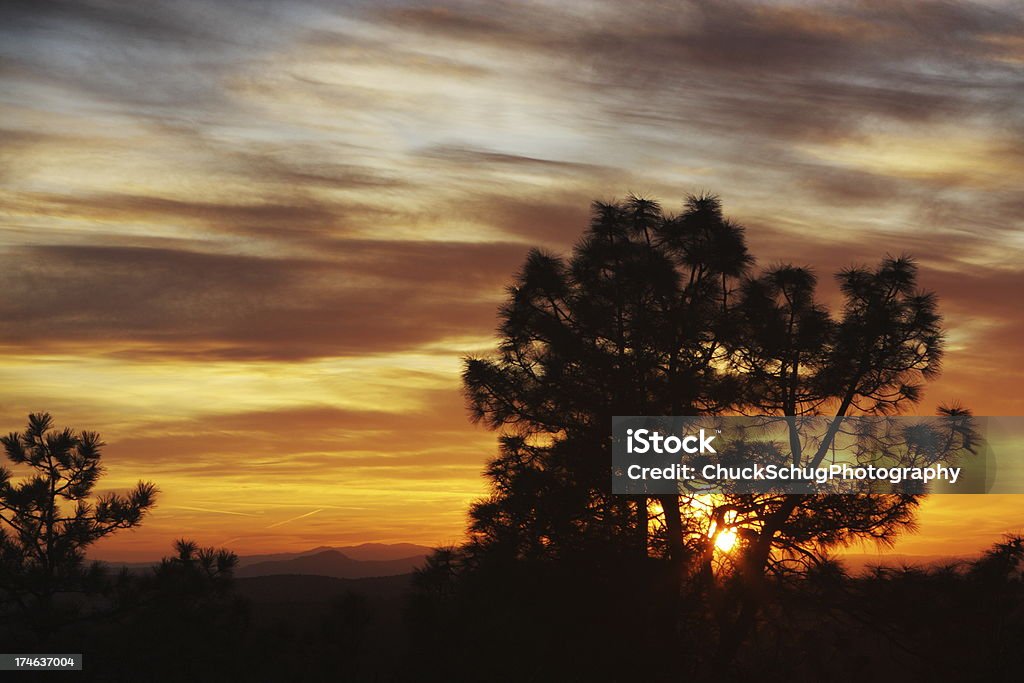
(406, 556)
(361, 552)
(382, 551)
(332, 563)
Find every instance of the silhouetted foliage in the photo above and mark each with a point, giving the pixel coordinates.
(182, 613)
(659, 314)
(635, 323)
(196, 571)
(49, 518)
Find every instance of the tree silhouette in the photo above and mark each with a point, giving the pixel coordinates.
(796, 360)
(48, 519)
(633, 324)
(195, 571)
(177, 620)
(656, 314)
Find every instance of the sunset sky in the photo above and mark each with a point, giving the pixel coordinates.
(249, 242)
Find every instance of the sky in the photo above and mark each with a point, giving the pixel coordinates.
(250, 242)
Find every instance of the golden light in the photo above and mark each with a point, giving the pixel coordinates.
(726, 540)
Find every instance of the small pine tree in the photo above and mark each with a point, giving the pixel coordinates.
(49, 518)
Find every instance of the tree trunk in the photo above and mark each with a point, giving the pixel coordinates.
(641, 526)
(752, 584)
(674, 529)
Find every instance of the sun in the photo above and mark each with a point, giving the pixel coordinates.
(726, 540)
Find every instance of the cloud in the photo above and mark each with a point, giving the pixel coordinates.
(370, 297)
(782, 70)
(311, 447)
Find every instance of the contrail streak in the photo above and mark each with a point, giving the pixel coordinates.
(219, 512)
(275, 524)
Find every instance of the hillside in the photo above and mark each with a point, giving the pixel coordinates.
(332, 563)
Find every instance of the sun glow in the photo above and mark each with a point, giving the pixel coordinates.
(726, 537)
(726, 540)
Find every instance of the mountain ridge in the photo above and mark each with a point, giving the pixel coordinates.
(343, 562)
(332, 563)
